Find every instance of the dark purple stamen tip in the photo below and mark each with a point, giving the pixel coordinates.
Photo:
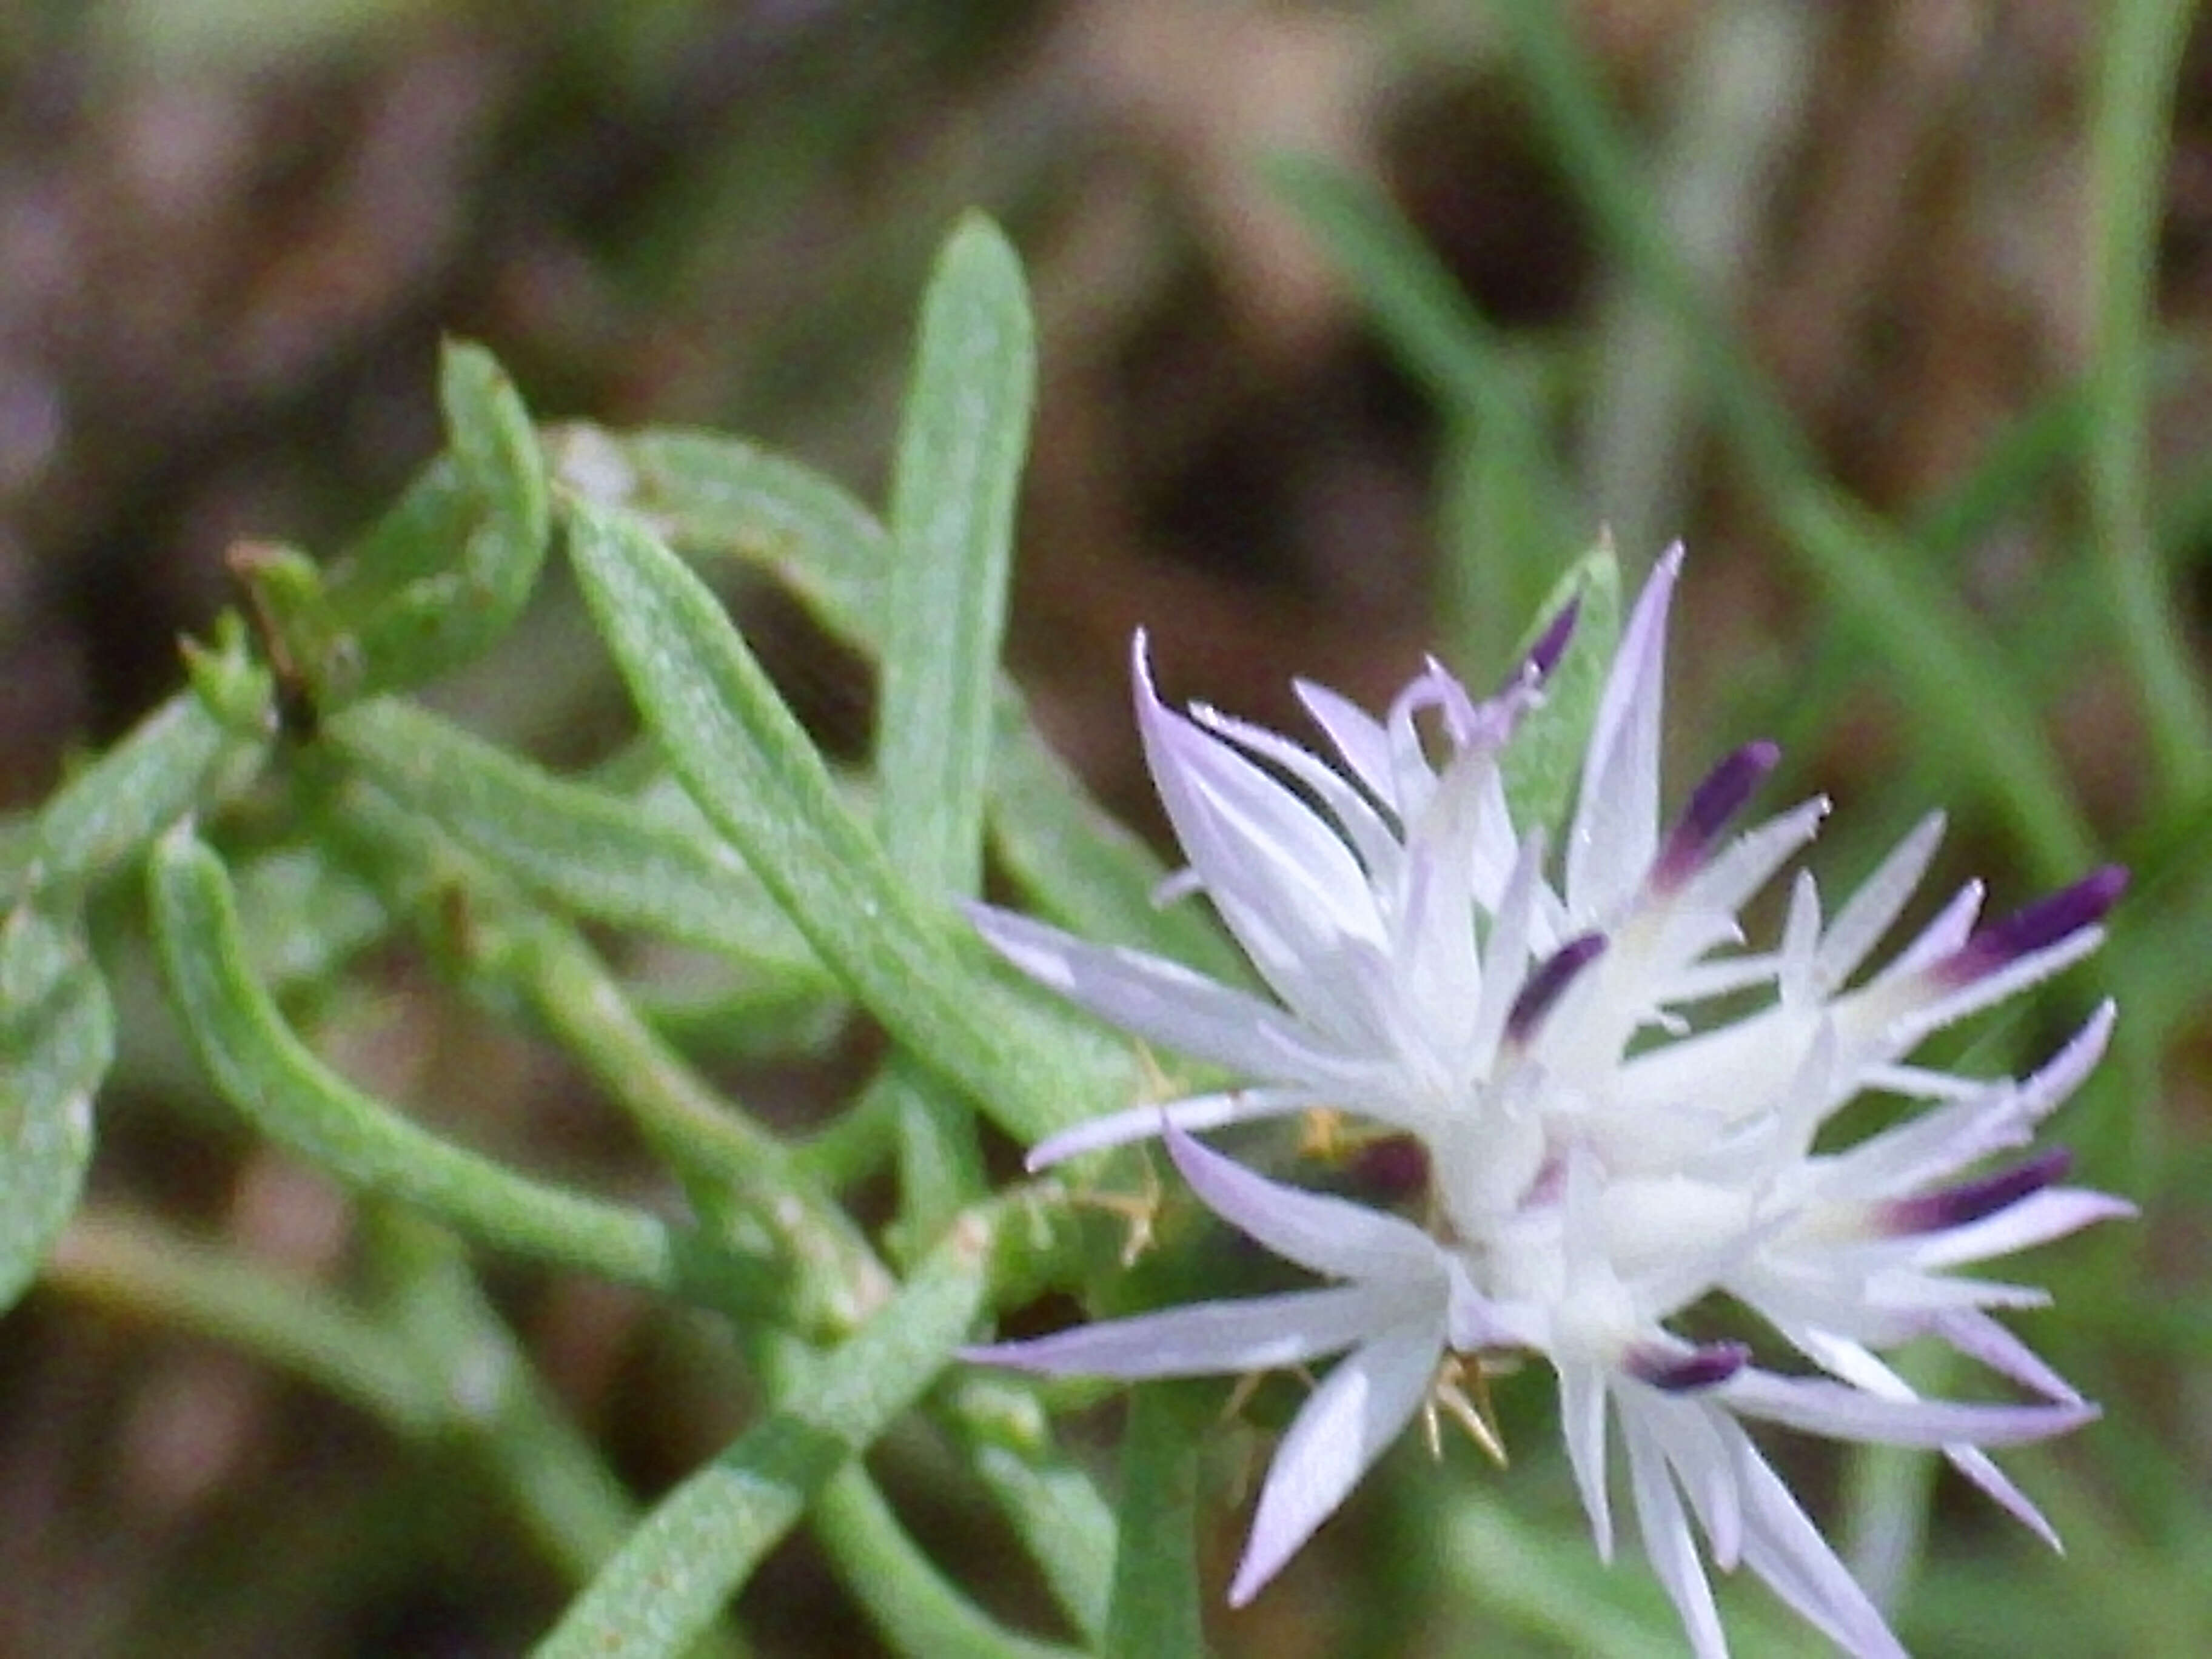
(1544, 985)
(1394, 1169)
(1714, 802)
(1971, 1200)
(2036, 926)
(1700, 1368)
(1544, 656)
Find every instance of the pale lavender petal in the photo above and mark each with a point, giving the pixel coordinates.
(1351, 1417)
(1842, 1413)
(1978, 1466)
(1997, 1116)
(1282, 881)
(1945, 932)
(1873, 910)
(1783, 1547)
(1358, 736)
(1197, 1115)
(1209, 1339)
(2036, 928)
(1965, 1202)
(1616, 822)
(1161, 1001)
(1980, 1338)
(1582, 1395)
(1322, 1234)
(1990, 988)
(1727, 882)
(1669, 1544)
(1373, 839)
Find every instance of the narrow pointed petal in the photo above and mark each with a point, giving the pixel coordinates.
(1978, 1466)
(1582, 1422)
(1859, 926)
(1321, 1234)
(1356, 735)
(2036, 1219)
(1209, 1339)
(1669, 1545)
(1156, 999)
(1783, 1547)
(1195, 1115)
(1842, 1413)
(1616, 822)
(1363, 1405)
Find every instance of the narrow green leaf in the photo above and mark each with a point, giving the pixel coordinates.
(726, 498)
(960, 453)
(962, 442)
(736, 748)
(57, 1039)
(595, 853)
(291, 1097)
(109, 811)
(1154, 1614)
(1543, 763)
(1051, 1502)
(721, 497)
(701, 1543)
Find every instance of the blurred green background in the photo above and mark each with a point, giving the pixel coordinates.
(1894, 311)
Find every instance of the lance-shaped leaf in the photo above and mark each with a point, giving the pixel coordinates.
(745, 759)
(714, 495)
(57, 1037)
(596, 854)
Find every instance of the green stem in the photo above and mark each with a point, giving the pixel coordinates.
(840, 1282)
(671, 1579)
(916, 1610)
(290, 1095)
(135, 1265)
(2143, 47)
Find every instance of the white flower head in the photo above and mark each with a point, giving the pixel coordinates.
(1599, 1164)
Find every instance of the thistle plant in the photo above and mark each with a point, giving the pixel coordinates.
(1711, 1180)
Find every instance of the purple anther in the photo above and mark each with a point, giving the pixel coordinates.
(2034, 926)
(1714, 802)
(1544, 985)
(1681, 1373)
(1971, 1200)
(1393, 1169)
(1551, 645)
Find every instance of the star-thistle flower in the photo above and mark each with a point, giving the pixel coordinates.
(1599, 1164)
